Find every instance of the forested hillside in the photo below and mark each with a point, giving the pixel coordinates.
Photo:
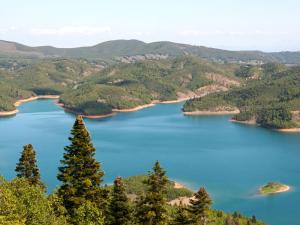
(88, 88)
(126, 86)
(270, 96)
(20, 78)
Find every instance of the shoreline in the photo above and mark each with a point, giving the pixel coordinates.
(9, 113)
(288, 130)
(247, 122)
(21, 101)
(137, 108)
(84, 116)
(211, 113)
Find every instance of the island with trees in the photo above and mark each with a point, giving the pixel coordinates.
(273, 188)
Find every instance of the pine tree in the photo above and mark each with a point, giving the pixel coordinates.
(181, 216)
(151, 209)
(120, 211)
(79, 173)
(27, 166)
(199, 205)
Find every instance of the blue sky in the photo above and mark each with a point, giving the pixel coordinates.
(229, 24)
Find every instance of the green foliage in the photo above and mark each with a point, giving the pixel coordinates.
(275, 118)
(151, 208)
(182, 216)
(135, 185)
(27, 166)
(88, 214)
(249, 71)
(119, 208)
(22, 203)
(199, 206)
(79, 173)
(210, 103)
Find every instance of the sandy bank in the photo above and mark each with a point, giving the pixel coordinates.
(174, 101)
(178, 185)
(247, 122)
(19, 102)
(211, 113)
(98, 116)
(288, 130)
(9, 113)
(135, 108)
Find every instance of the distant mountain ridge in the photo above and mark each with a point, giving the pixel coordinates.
(134, 50)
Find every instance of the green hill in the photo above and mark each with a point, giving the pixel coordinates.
(125, 86)
(134, 50)
(270, 96)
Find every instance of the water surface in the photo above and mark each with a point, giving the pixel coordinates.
(230, 160)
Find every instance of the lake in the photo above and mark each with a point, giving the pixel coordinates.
(230, 160)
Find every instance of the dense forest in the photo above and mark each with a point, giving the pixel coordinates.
(270, 96)
(83, 199)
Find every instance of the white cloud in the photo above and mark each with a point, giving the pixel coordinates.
(198, 33)
(69, 30)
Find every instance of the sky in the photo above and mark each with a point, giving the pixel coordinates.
(268, 25)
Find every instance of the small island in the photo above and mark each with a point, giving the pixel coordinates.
(273, 188)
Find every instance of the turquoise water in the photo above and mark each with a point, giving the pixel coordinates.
(230, 160)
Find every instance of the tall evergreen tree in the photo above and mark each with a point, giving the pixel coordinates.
(119, 208)
(27, 166)
(199, 206)
(151, 209)
(182, 216)
(79, 173)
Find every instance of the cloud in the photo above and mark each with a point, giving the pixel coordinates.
(69, 30)
(198, 33)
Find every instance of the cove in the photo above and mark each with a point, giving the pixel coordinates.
(230, 160)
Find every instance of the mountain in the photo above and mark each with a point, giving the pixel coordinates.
(134, 50)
